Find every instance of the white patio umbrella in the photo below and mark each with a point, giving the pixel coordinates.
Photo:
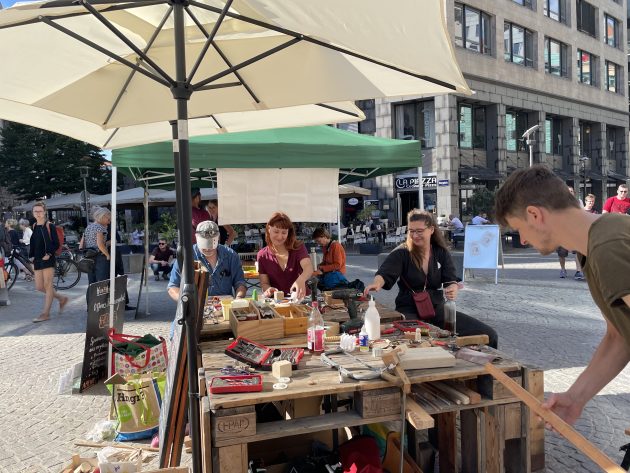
(81, 67)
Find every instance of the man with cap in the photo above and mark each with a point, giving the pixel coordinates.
(223, 264)
(198, 215)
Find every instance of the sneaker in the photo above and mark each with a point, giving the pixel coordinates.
(157, 277)
(579, 276)
(563, 273)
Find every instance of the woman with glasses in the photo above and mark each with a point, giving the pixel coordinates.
(423, 263)
(284, 264)
(161, 260)
(44, 242)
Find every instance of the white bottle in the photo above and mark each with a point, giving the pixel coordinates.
(313, 258)
(372, 321)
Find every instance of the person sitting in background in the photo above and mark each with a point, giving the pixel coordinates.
(161, 260)
(223, 264)
(422, 263)
(137, 236)
(284, 264)
(481, 219)
(455, 223)
(227, 233)
(333, 265)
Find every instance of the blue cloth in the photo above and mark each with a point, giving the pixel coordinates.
(225, 277)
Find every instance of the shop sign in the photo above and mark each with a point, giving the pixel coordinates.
(443, 182)
(411, 182)
(353, 201)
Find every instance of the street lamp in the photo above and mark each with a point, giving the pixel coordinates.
(85, 172)
(583, 161)
(529, 142)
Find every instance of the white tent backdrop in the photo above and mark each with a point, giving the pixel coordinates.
(307, 195)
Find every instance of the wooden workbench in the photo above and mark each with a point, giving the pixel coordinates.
(497, 434)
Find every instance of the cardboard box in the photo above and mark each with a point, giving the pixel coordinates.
(256, 329)
(377, 402)
(295, 318)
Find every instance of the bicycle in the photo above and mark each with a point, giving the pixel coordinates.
(13, 269)
(67, 273)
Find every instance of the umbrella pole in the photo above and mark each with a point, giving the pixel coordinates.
(145, 266)
(181, 93)
(112, 264)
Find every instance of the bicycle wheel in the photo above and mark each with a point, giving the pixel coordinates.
(67, 274)
(11, 268)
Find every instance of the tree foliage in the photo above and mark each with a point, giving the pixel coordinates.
(37, 163)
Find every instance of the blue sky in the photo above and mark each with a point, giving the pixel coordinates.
(8, 3)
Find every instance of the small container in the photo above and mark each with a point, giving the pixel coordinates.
(278, 296)
(226, 304)
(364, 342)
(418, 335)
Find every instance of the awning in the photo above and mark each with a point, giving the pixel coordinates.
(618, 177)
(69, 201)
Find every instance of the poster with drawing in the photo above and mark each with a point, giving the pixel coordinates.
(481, 247)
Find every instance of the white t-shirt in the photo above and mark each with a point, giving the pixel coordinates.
(457, 223)
(26, 236)
(479, 220)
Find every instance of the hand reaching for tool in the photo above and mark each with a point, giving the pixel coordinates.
(565, 406)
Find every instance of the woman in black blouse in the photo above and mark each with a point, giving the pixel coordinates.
(425, 253)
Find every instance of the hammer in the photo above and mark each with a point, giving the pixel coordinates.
(392, 361)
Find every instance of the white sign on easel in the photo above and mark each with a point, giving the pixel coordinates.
(482, 247)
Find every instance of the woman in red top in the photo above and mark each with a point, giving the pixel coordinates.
(284, 264)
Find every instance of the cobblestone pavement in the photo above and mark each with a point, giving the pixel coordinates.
(541, 319)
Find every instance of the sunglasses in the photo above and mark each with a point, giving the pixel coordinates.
(161, 244)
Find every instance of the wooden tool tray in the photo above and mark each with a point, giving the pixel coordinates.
(247, 322)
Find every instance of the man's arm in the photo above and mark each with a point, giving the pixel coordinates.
(611, 356)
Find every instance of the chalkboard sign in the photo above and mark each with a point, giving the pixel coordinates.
(482, 247)
(97, 326)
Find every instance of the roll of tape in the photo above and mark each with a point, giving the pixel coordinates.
(284, 380)
(280, 386)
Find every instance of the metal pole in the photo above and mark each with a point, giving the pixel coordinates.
(85, 200)
(420, 189)
(112, 265)
(530, 143)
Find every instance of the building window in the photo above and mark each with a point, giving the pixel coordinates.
(585, 139)
(586, 68)
(516, 123)
(415, 121)
(613, 77)
(586, 18)
(611, 138)
(472, 126)
(472, 29)
(612, 31)
(556, 10)
(556, 58)
(519, 45)
(525, 3)
(553, 136)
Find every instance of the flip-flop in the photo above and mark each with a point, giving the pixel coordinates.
(37, 320)
(63, 303)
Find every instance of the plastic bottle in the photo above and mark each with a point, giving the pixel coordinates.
(450, 314)
(315, 333)
(372, 321)
(313, 258)
(364, 343)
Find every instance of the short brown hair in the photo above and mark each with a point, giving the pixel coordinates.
(282, 220)
(320, 232)
(590, 196)
(39, 203)
(537, 186)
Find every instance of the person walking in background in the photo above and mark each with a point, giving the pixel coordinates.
(44, 243)
(423, 263)
(563, 252)
(618, 204)
(532, 201)
(161, 260)
(27, 232)
(284, 264)
(95, 237)
(589, 203)
(198, 215)
(227, 233)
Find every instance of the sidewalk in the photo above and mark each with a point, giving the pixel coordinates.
(541, 320)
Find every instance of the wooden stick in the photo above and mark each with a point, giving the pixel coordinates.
(85, 443)
(556, 422)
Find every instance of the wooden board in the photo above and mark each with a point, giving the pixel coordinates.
(447, 441)
(423, 358)
(533, 381)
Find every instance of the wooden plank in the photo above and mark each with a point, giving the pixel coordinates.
(232, 459)
(238, 423)
(377, 402)
(304, 425)
(470, 424)
(533, 381)
(512, 423)
(472, 340)
(493, 436)
(447, 441)
(417, 416)
(206, 436)
(564, 429)
(473, 396)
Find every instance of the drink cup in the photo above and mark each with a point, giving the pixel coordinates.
(225, 307)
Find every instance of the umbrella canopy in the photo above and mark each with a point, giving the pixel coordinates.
(358, 156)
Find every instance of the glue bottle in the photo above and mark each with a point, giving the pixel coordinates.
(372, 321)
(364, 344)
(315, 334)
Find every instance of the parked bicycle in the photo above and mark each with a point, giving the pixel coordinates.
(67, 273)
(13, 268)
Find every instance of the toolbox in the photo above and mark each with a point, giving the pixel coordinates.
(260, 356)
(236, 384)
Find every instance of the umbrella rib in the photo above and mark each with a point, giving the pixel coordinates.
(337, 109)
(95, 46)
(219, 86)
(223, 56)
(317, 42)
(246, 63)
(209, 38)
(128, 42)
(132, 73)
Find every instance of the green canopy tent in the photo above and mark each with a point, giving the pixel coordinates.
(357, 156)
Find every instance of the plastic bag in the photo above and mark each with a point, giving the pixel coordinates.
(102, 430)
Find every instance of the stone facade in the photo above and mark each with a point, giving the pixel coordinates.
(576, 120)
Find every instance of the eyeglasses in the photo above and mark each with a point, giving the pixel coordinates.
(417, 232)
(622, 192)
(161, 243)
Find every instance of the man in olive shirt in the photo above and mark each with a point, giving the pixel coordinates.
(538, 205)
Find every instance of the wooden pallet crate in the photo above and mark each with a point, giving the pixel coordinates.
(295, 318)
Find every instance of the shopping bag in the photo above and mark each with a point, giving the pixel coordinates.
(136, 406)
(137, 355)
